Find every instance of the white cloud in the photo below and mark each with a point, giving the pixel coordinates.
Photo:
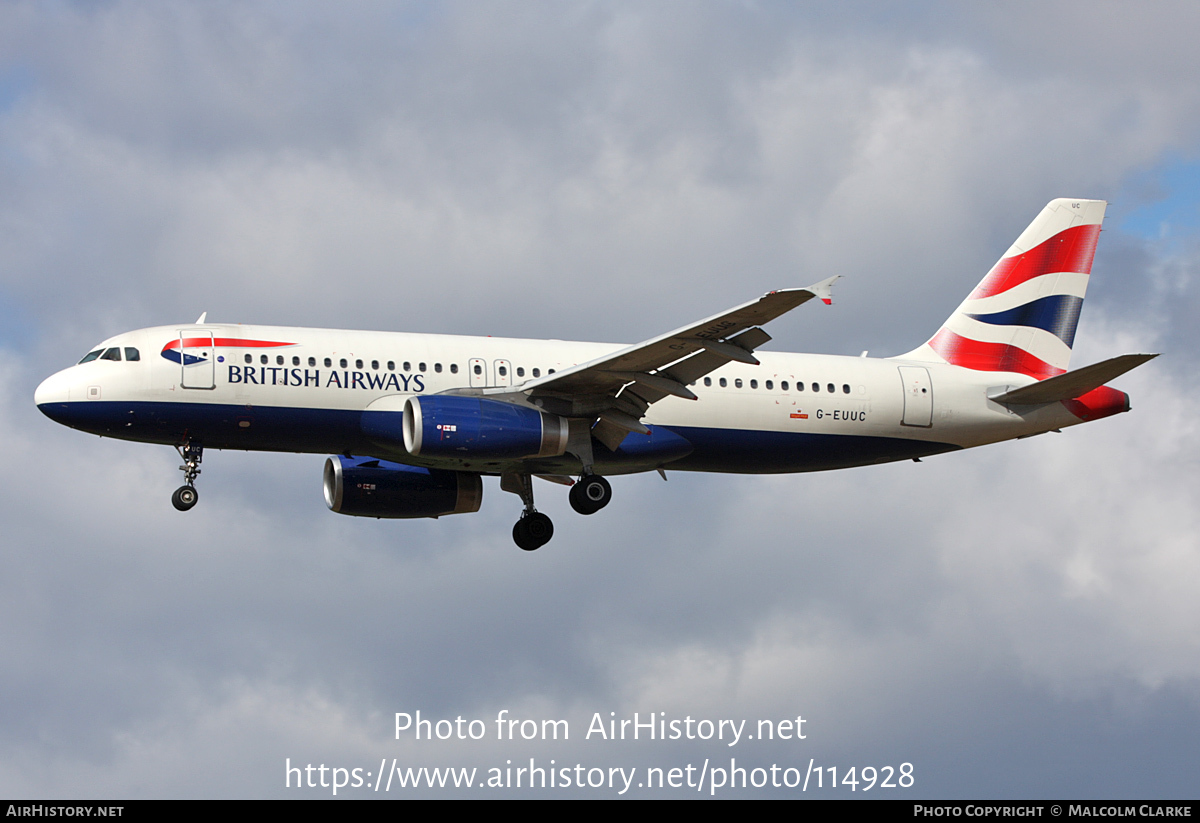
(591, 172)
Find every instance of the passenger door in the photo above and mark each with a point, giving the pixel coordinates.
(197, 359)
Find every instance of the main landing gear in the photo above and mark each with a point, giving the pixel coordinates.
(591, 494)
(534, 529)
(186, 495)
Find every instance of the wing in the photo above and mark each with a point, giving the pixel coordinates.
(618, 388)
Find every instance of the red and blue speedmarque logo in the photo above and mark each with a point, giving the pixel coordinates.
(176, 350)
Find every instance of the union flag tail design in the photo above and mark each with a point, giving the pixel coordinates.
(1022, 315)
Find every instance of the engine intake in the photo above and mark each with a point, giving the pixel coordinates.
(365, 487)
(453, 426)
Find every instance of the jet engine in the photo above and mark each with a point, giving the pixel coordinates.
(454, 426)
(365, 487)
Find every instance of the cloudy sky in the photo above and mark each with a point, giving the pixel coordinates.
(1016, 621)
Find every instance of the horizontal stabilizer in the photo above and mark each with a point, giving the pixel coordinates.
(1073, 384)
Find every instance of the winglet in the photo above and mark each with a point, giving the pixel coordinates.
(823, 290)
(200, 320)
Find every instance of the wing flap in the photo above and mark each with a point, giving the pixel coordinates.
(609, 433)
(659, 382)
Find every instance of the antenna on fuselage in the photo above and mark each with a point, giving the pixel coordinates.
(201, 318)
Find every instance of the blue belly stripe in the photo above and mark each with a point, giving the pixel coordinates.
(335, 431)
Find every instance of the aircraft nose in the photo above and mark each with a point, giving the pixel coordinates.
(53, 394)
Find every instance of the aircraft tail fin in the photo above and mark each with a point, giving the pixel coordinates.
(1022, 316)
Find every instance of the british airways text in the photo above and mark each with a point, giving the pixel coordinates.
(283, 376)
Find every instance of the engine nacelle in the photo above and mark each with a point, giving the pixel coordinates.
(364, 487)
(446, 425)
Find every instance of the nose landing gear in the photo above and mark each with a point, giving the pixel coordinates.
(186, 495)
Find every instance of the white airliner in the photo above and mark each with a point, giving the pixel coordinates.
(415, 420)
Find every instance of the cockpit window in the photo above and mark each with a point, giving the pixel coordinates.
(90, 356)
(111, 354)
(131, 354)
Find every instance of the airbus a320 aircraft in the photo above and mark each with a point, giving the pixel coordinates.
(416, 420)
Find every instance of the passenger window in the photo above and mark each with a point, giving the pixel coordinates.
(263, 359)
(520, 371)
(737, 382)
(550, 372)
(831, 388)
(845, 388)
(754, 384)
(295, 361)
(816, 386)
(422, 365)
(358, 364)
(131, 354)
(770, 385)
(279, 360)
(723, 382)
(437, 367)
(343, 362)
(90, 356)
(537, 372)
(375, 365)
(503, 371)
(111, 354)
(708, 381)
(407, 366)
(312, 361)
(249, 359)
(328, 363)
(391, 365)
(454, 368)
(783, 385)
(478, 369)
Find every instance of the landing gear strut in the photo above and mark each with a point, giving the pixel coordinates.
(186, 495)
(534, 529)
(591, 494)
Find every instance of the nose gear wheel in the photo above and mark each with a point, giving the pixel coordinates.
(184, 498)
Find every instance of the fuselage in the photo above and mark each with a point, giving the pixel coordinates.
(305, 390)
